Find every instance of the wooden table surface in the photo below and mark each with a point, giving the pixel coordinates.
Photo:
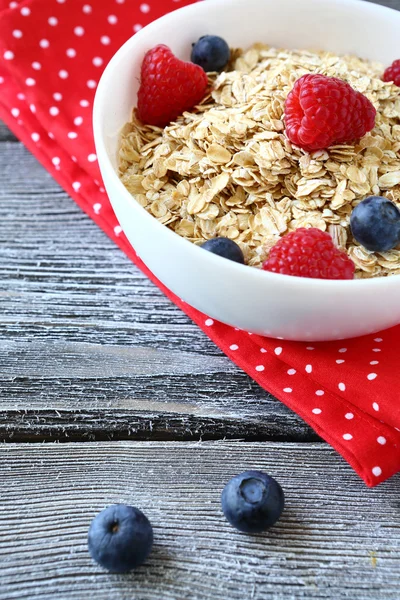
(108, 393)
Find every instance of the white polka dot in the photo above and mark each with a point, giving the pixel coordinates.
(341, 387)
(53, 21)
(347, 436)
(79, 31)
(342, 350)
(61, 1)
(378, 340)
(377, 471)
(56, 161)
(97, 208)
(71, 52)
(97, 61)
(375, 406)
(339, 361)
(349, 416)
(25, 11)
(263, 351)
(17, 33)
(319, 393)
(15, 112)
(137, 27)
(13, 4)
(36, 65)
(78, 121)
(33, 108)
(54, 111)
(381, 440)
(288, 390)
(2, 81)
(278, 351)
(87, 9)
(372, 376)
(260, 368)
(376, 349)
(76, 185)
(316, 411)
(35, 137)
(120, 1)
(117, 229)
(84, 103)
(105, 40)
(44, 43)
(30, 81)
(308, 368)
(57, 96)
(102, 190)
(310, 348)
(63, 74)
(51, 135)
(209, 322)
(8, 55)
(291, 372)
(72, 135)
(234, 347)
(112, 19)
(374, 362)
(145, 8)
(91, 84)
(21, 96)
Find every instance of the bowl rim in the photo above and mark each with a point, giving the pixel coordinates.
(234, 269)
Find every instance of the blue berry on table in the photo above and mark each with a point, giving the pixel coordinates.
(120, 538)
(375, 224)
(252, 501)
(224, 247)
(211, 52)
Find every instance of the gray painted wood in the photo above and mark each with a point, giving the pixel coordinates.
(90, 349)
(336, 539)
(390, 3)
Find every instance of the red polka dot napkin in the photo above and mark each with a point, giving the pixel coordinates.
(52, 53)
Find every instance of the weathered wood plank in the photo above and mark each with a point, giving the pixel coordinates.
(336, 538)
(390, 3)
(90, 349)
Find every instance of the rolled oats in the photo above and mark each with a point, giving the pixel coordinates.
(227, 168)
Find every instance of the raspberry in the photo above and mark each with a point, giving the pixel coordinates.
(322, 111)
(309, 253)
(168, 87)
(392, 73)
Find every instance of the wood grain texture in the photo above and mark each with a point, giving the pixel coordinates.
(395, 4)
(90, 349)
(336, 538)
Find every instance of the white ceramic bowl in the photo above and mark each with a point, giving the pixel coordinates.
(265, 303)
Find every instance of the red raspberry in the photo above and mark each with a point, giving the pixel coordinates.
(392, 73)
(169, 86)
(309, 253)
(322, 111)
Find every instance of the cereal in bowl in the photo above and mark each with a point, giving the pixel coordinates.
(244, 165)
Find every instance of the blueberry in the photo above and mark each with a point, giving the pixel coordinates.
(120, 538)
(226, 248)
(252, 501)
(375, 224)
(211, 52)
